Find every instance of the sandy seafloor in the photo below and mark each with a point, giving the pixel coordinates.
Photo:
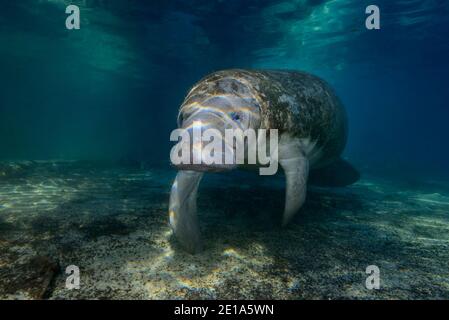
(111, 221)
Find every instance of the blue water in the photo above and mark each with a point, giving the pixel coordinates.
(112, 89)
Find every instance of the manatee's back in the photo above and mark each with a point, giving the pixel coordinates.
(304, 106)
(295, 102)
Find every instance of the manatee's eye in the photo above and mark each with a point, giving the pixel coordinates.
(235, 116)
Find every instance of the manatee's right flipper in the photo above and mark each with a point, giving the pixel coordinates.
(182, 210)
(296, 167)
(339, 173)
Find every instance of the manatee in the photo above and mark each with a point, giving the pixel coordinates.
(311, 125)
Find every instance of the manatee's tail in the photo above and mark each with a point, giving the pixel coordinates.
(339, 173)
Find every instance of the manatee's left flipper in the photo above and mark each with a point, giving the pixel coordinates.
(296, 167)
(182, 210)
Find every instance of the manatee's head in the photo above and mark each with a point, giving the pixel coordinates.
(217, 104)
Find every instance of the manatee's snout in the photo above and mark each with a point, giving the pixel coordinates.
(203, 146)
(206, 119)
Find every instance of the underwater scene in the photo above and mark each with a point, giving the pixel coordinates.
(118, 180)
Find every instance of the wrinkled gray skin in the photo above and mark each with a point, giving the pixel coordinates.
(310, 119)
